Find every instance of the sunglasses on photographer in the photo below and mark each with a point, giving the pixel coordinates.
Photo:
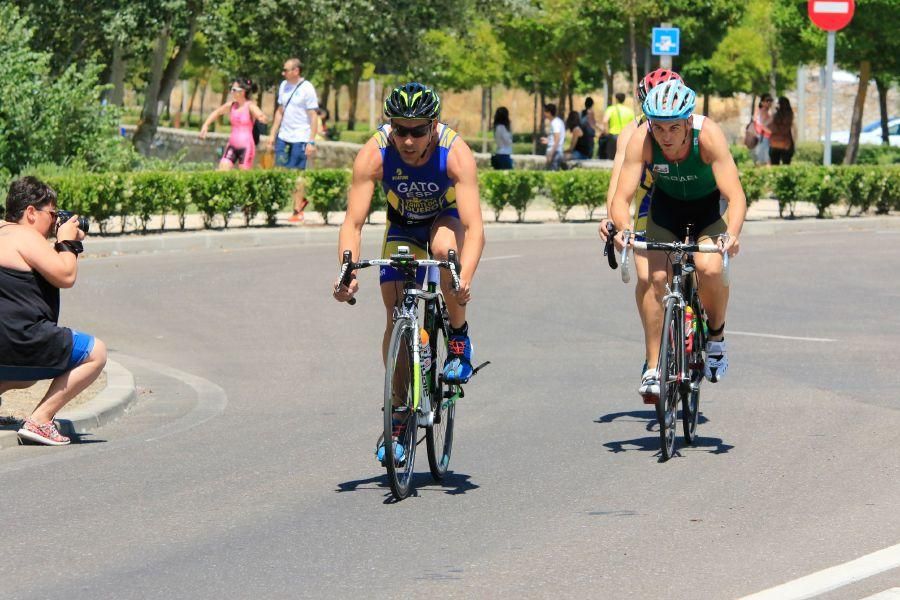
(417, 132)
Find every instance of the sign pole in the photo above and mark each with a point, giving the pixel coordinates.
(829, 86)
(665, 61)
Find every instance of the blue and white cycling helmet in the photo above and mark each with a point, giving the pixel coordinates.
(670, 101)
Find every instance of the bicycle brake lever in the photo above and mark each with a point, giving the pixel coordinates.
(608, 248)
(346, 274)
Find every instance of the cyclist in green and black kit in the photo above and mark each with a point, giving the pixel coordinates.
(695, 181)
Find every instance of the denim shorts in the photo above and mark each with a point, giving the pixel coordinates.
(290, 155)
(82, 345)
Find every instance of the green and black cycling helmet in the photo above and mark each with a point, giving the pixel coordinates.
(413, 101)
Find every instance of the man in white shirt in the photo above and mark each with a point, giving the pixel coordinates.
(557, 139)
(294, 127)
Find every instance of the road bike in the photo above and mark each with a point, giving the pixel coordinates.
(682, 348)
(416, 396)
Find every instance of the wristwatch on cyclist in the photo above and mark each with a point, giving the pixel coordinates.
(73, 246)
(311, 143)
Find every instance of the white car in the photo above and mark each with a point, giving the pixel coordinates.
(871, 133)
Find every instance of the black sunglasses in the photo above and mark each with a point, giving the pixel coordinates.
(416, 132)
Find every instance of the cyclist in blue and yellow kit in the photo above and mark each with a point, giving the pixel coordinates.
(429, 176)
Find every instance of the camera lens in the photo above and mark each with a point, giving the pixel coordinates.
(64, 215)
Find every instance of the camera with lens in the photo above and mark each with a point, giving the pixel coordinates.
(65, 215)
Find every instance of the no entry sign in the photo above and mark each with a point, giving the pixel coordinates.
(831, 15)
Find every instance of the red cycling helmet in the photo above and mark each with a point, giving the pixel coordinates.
(653, 79)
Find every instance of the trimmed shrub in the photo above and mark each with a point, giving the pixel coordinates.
(516, 188)
(578, 187)
(326, 190)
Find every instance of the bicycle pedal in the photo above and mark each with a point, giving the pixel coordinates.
(481, 366)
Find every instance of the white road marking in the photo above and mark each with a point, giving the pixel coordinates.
(833, 577)
(891, 594)
(501, 257)
(780, 337)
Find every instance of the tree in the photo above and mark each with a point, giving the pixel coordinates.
(863, 44)
(176, 23)
(56, 118)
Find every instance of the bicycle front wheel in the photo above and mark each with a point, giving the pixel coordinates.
(400, 420)
(690, 397)
(667, 403)
(439, 436)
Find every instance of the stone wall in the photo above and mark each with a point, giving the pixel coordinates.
(169, 142)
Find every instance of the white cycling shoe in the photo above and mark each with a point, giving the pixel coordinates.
(649, 388)
(716, 361)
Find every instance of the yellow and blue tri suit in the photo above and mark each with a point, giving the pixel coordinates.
(417, 197)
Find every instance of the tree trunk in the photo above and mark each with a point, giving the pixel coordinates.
(336, 115)
(634, 75)
(484, 94)
(117, 76)
(353, 88)
(705, 104)
(205, 84)
(190, 109)
(146, 128)
(882, 108)
(326, 93)
(865, 71)
(608, 77)
(534, 121)
(773, 74)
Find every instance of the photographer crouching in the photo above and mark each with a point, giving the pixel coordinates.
(32, 345)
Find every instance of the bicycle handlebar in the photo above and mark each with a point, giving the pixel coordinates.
(665, 247)
(348, 267)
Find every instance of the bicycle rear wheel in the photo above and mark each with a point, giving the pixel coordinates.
(439, 437)
(667, 403)
(690, 397)
(400, 419)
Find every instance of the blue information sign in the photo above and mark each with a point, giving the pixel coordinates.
(666, 41)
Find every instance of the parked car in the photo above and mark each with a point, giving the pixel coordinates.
(871, 133)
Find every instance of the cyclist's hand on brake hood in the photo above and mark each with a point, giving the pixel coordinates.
(730, 244)
(464, 294)
(344, 293)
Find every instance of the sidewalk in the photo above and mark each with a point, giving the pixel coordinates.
(103, 408)
(541, 222)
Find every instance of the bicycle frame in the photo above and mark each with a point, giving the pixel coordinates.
(407, 308)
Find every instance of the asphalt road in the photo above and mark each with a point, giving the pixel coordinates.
(246, 469)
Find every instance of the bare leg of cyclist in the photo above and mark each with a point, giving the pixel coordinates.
(713, 293)
(652, 307)
(447, 234)
(647, 304)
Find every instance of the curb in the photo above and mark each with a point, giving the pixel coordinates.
(297, 236)
(104, 408)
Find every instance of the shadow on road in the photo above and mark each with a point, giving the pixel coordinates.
(452, 484)
(651, 444)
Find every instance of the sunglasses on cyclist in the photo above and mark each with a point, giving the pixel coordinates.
(237, 89)
(417, 132)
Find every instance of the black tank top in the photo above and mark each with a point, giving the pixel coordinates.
(585, 143)
(29, 312)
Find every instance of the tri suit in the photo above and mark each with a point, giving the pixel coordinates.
(416, 197)
(684, 193)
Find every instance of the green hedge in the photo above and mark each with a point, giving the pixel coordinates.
(140, 195)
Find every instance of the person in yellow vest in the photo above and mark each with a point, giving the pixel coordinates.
(616, 117)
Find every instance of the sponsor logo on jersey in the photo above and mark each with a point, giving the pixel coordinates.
(417, 189)
(664, 168)
(399, 176)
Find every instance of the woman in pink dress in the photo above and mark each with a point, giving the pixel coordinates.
(240, 149)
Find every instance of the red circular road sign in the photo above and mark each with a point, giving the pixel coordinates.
(831, 15)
